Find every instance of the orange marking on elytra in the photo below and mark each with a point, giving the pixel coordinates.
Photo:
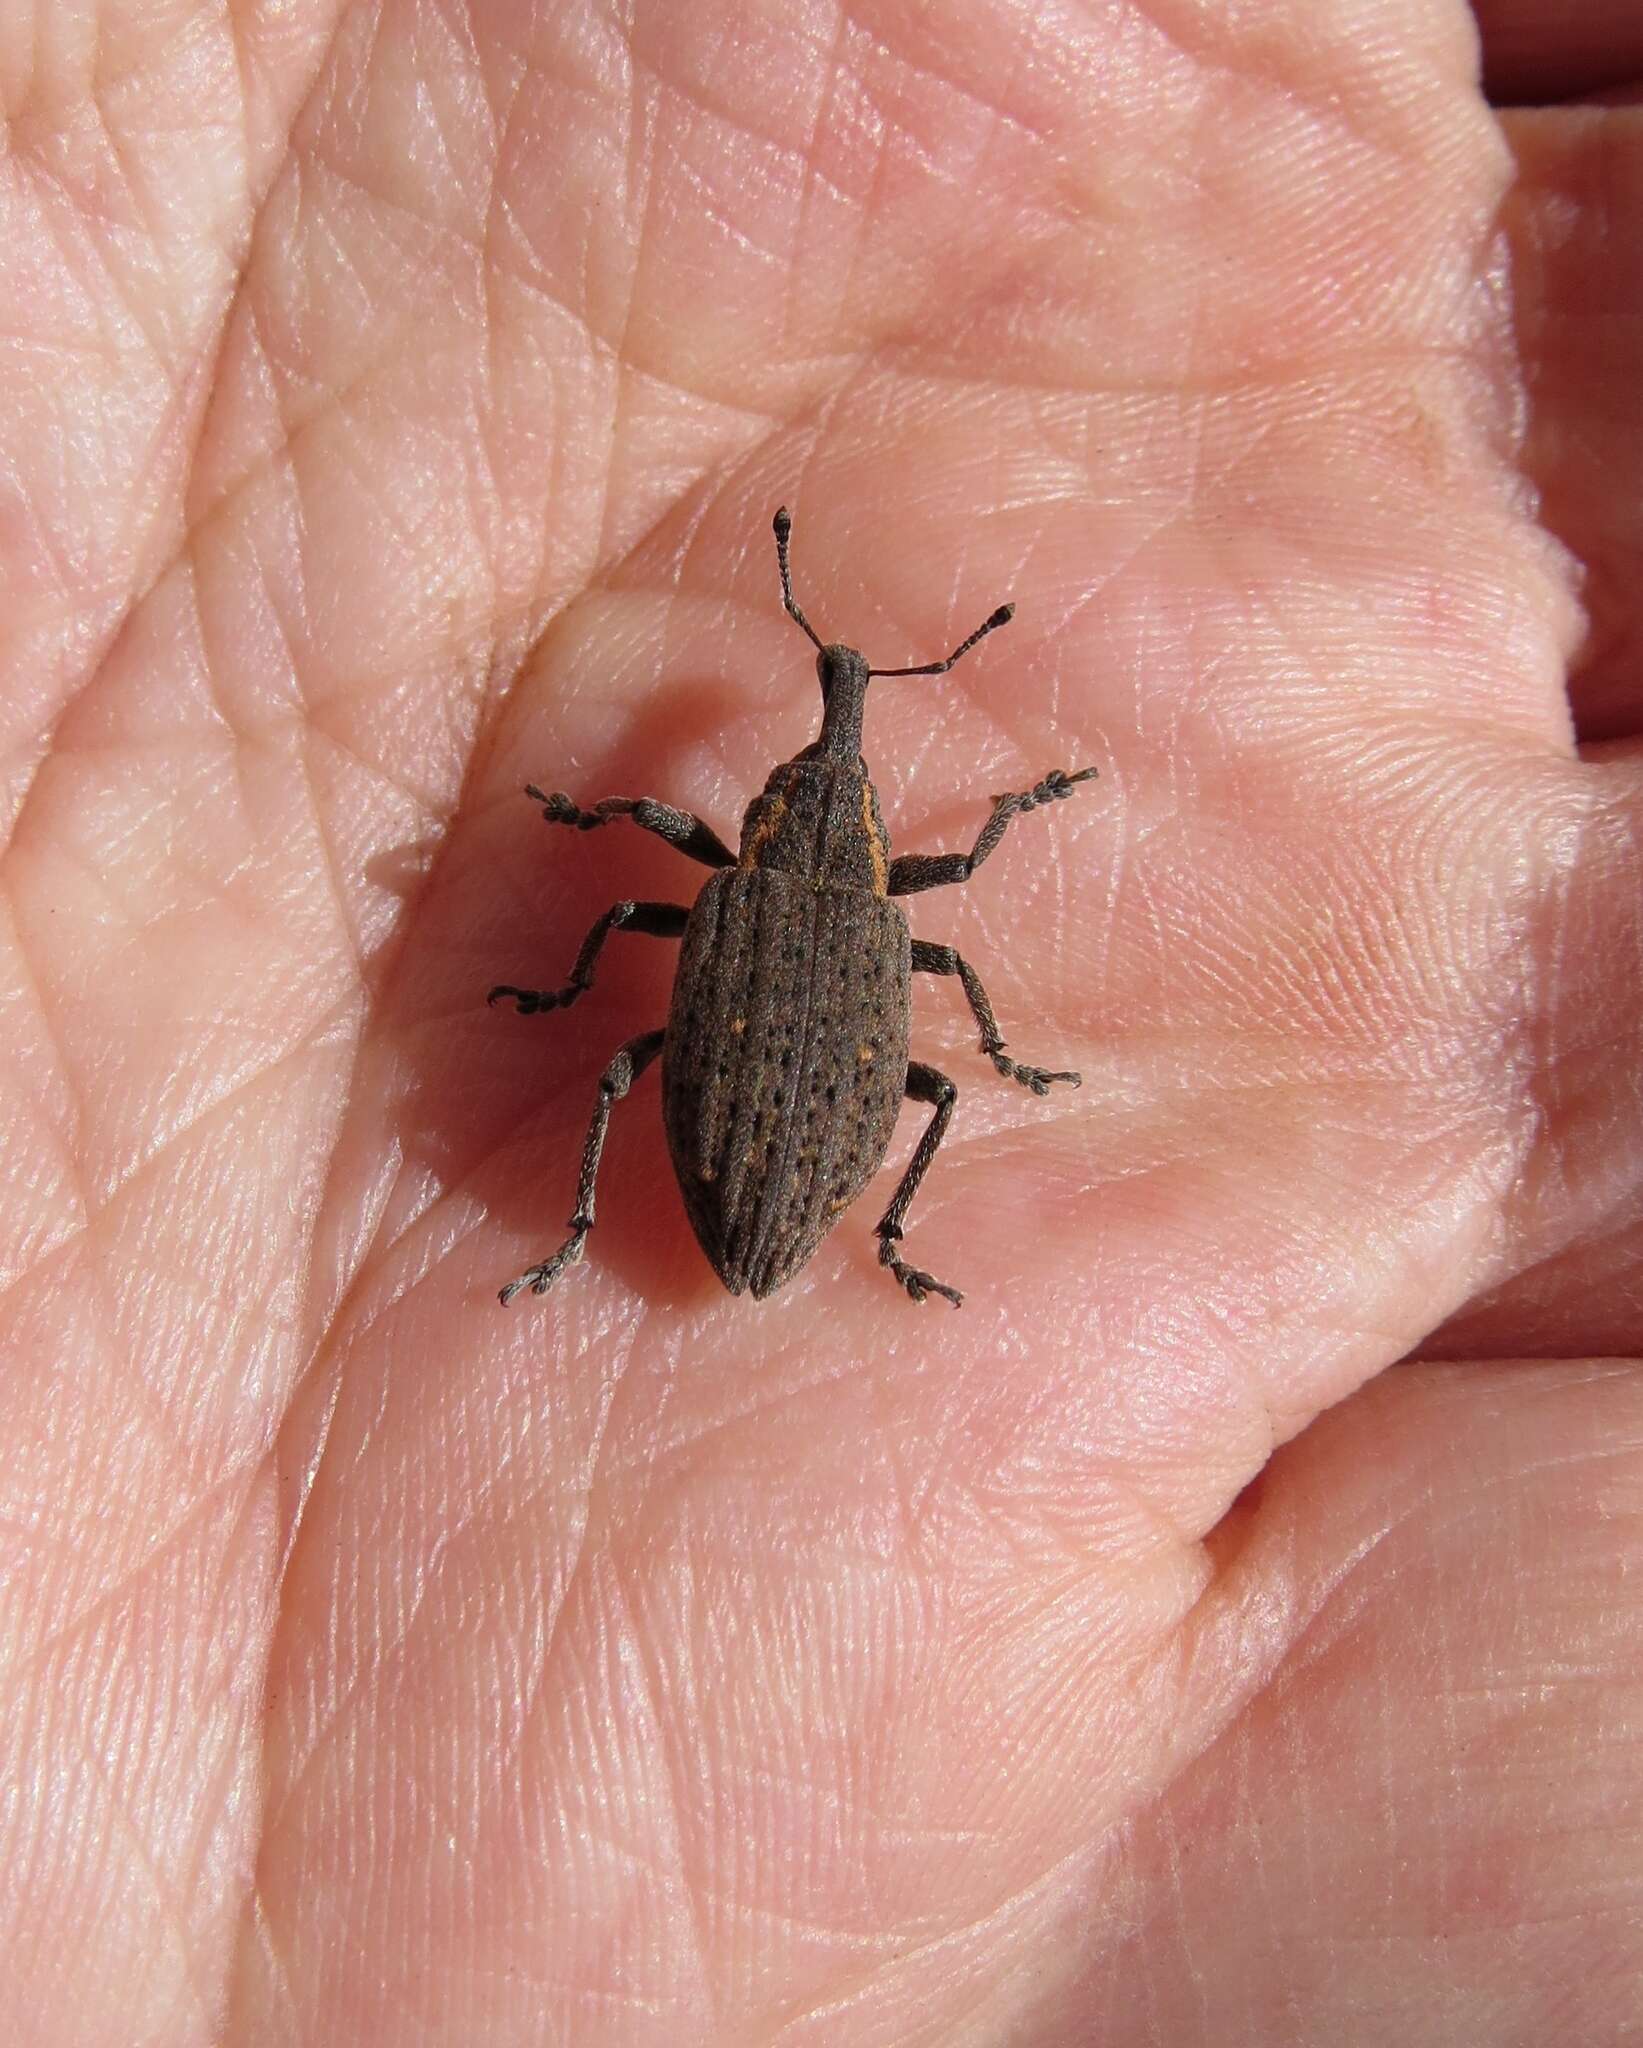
(769, 824)
(875, 845)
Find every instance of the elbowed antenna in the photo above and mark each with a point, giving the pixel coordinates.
(784, 529)
(1002, 617)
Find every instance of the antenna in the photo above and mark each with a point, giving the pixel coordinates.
(1002, 617)
(784, 529)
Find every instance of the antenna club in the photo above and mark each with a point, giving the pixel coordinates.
(1002, 617)
(784, 527)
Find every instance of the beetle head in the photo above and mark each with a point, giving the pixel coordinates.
(844, 672)
(838, 665)
(843, 675)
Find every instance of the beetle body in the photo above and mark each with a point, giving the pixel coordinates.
(786, 1051)
(785, 1056)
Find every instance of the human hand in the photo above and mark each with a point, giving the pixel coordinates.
(396, 407)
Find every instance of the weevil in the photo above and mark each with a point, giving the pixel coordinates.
(785, 1054)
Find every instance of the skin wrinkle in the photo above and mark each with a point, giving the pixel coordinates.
(813, 178)
(308, 722)
(999, 118)
(637, 165)
(236, 1479)
(595, 1510)
(174, 1916)
(753, 1409)
(710, 213)
(161, 1433)
(205, 377)
(334, 403)
(1542, 1056)
(65, 1130)
(304, 1374)
(676, 1768)
(499, 123)
(334, 407)
(366, 1256)
(339, 1338)
(257, 1939)
(387, 1651)
(694, 90)
(333, 879)
(909, 1954)
(646, 238)
(239, 737)
(1311, 1631)
(141, 1170)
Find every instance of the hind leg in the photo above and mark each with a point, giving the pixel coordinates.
(614, 1083)
(924, 1084)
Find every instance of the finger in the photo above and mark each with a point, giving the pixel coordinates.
(1435, 1745)
(1575, 226)
(1575, 1220)
(1532, 52)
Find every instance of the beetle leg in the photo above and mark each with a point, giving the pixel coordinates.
(924, 1084)
(614, 1083)
(679, 828)
(916, 871)
(933, 959)
(660, 920)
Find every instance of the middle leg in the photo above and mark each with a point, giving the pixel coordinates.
(660, 920)
(933, 959)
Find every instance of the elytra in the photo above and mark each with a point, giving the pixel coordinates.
(785, 1056)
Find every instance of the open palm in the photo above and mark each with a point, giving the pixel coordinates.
(396, 404)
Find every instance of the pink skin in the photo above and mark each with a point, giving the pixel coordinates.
(393, 411)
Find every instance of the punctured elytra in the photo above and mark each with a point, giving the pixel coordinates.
(785, 1055)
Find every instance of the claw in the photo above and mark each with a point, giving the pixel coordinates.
(534, 1002)
(1038, 1079)
(540, 1278)
(917, 1283)
(558, 809)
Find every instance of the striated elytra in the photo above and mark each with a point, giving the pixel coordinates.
(785, 1055)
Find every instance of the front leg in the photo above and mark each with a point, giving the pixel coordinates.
(660, 920)
(678, 828)
(924, 1084)
(915, 871)
(932, 959)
